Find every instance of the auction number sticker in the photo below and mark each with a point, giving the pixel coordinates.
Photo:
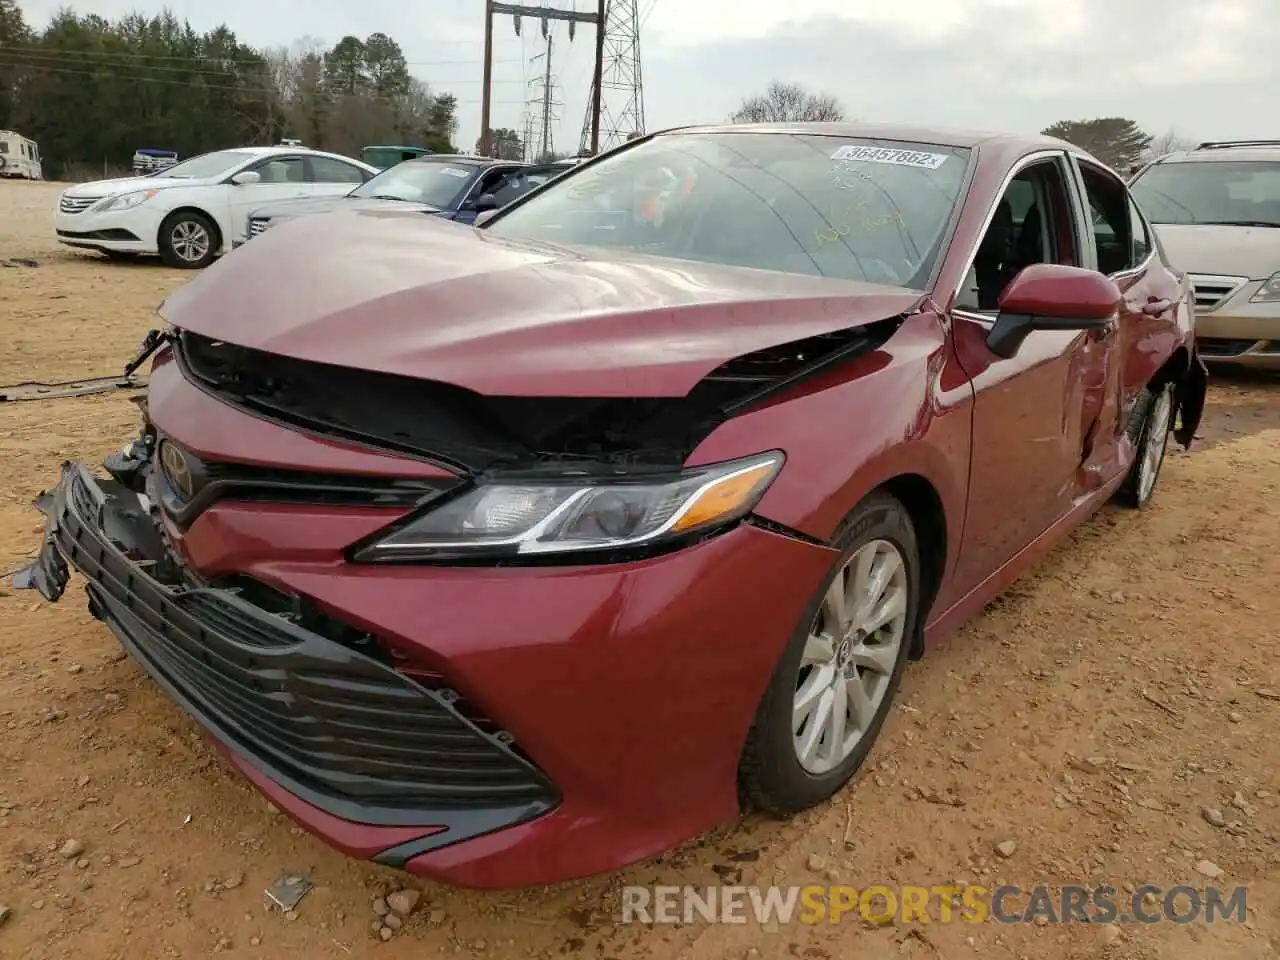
(455, 172)
(900, 158)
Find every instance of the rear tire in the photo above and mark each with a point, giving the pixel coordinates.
(188, 240)
(789, 765)
(1152, 423)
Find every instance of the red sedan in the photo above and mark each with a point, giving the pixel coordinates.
(521, 553)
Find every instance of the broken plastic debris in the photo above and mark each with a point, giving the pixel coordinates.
(287, 892)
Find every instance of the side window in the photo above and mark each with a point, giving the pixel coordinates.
(508, 188)
(1138, 230)
(491, 181)
(328, 170)
(283, 170)
(1032, 223)
(1110, 211)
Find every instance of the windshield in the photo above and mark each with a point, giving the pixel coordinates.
(819, 205)
(207, 165)
(1219, 191)
(419, 181)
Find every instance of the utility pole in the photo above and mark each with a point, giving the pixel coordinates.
(517, 11)
(621, 114)
(485, 131)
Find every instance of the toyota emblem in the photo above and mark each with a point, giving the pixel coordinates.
(177, 470)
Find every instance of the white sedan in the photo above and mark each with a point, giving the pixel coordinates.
(190, 213)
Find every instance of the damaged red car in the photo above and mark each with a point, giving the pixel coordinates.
(516, 554)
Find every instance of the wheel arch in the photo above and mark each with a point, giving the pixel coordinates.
(923, 503)
(219, 239)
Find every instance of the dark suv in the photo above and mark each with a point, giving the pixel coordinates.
(447, 186)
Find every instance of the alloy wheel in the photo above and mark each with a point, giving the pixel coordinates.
(190, 240)
(849, 657)
(1157, 439)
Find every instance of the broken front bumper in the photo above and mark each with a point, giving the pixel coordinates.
(345, 733)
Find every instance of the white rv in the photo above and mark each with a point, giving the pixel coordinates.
(19, 157)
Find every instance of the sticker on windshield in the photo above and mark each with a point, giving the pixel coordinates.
(455, 172)
(901, 158)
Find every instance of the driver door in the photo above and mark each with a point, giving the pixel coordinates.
(1035, 413)
(283, 178)
(488, 182)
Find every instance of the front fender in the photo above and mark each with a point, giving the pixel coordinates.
(890, 413)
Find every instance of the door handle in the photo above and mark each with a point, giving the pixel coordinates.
(1153, 308)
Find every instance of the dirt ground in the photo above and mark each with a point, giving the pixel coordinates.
(1090, 716)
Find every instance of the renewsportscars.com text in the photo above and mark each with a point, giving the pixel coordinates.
(937, 904)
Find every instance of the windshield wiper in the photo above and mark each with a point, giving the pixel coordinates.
(387, 196)
(1239, 223)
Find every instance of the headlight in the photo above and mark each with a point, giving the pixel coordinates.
(1269, 292)
(574, 516)
(124, 201)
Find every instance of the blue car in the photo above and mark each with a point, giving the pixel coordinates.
(448, 186)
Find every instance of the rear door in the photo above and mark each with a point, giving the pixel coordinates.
(1122, 246)
(331, 177)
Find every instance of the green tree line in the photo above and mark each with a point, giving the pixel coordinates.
(91, 91)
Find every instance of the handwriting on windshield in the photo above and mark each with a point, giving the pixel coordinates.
(846, 216)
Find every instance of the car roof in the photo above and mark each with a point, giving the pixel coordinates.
(1247, 150)
(461, 159)
(938, 136)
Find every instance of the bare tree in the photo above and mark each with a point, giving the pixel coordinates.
(788, 103)
(1169, 142)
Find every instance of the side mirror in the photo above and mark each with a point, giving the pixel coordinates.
(1047, 296)
(484, 216)
(246, 177)
(486, 201)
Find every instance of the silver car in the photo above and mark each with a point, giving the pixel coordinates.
(1216, 210)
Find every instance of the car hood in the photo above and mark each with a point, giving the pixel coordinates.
(291, 209)
(105, 188)
(421, 297)
(1252, 252)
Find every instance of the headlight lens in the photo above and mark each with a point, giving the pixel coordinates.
(125, 201)
(571, 516)
(1269, 292)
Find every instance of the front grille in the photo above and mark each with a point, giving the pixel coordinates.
(211, 480)
(1211, 291)
(343, 731)
(257, 225)
(76, 204)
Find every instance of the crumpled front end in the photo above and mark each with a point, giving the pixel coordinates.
(493, 717)
(338, 728)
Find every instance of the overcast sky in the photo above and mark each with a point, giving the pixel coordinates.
(1207, 69)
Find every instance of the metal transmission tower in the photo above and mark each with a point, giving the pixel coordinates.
(619, 84)
(518, 11)
(538, 142)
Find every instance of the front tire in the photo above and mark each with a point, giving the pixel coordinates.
(188, 240)
(1156, 410)
(833, 687)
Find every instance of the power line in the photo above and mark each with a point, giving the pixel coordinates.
(250, 89)
(94, 68)
(202, 58)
